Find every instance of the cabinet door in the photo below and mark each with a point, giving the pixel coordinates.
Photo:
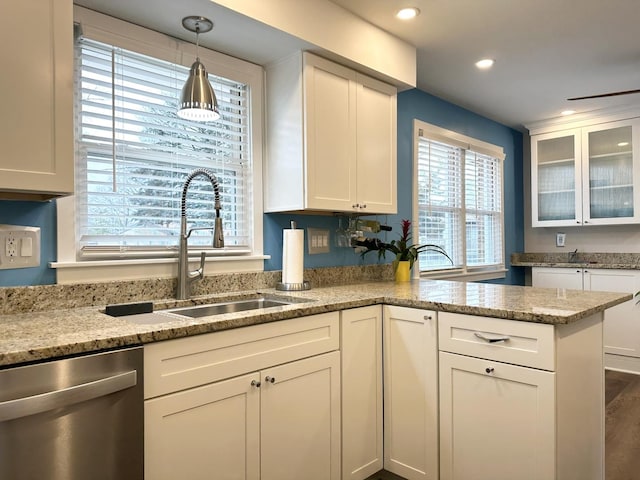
(410, 393)
(548, 277)
(330, 121)
(36, 123)
(497, 421)
(621, 326)
(556, 189)
(361, 351)
(300, 420)
(611, 177)
(206, 432)
(376, 146)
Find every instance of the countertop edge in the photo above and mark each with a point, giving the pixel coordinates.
(122, 333)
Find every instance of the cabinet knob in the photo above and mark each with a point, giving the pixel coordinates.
(364, 205)
(270, 379)
(428, 317)
(355, 205)
(489, 369)
(255, 383)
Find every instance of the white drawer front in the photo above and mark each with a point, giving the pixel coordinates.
(187, 362)
(520, 343)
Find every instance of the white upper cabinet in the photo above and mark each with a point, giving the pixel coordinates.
(587, 176)
(331, 139)
(36, 123)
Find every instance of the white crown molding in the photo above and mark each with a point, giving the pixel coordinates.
(584, 119)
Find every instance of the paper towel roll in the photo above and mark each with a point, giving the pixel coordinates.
(292, 256)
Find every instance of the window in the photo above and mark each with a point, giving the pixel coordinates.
(459, 202)
(133, 153)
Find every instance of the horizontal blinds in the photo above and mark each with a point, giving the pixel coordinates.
(134, 154)
(440, 202)
(460, 205)
(483, 202)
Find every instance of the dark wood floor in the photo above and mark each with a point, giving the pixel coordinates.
(622, 441)
(622, 427)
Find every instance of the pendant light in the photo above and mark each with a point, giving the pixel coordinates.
(198, 102)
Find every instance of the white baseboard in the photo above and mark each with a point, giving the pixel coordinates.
(622, 363)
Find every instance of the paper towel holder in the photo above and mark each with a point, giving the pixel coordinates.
(293, 287)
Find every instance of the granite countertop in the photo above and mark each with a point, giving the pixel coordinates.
(619, 261)
(28, 337)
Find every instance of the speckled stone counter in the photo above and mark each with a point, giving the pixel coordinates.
(28, 337)
(621, 261)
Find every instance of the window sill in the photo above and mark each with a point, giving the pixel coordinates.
(466, 276)
(138, 269)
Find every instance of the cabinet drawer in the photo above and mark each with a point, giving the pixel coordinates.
(521, 343)
(188, 362)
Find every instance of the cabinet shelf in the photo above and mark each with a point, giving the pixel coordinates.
(555, 192)
(611, 187)
(627, 153)
(561, 161)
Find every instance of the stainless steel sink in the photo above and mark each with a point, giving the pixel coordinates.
(230, 307)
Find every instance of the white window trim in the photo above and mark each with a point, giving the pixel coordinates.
(132, 37)
(468, 143)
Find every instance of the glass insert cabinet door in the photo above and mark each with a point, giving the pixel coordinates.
(556, 175)
(610, 174)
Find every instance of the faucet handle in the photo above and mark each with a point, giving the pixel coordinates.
(203, 255)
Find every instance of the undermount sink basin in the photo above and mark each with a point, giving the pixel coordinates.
(252, 302)
(231, 307)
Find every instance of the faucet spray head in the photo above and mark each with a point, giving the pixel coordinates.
(218, 234)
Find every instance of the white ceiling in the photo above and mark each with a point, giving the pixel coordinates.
(545, 50)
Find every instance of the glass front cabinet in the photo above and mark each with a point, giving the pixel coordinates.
(586, 176)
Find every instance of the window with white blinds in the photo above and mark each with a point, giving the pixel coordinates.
(459, 201)
(134, 154)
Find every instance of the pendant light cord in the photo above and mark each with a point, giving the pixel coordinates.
(197, 41)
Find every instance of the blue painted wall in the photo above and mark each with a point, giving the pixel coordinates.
(416, 104)
(32, 214)
(411, 104)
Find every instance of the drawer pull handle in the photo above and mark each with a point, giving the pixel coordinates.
(489, 370)
(491, 339)
(270, 379)
(255, 383)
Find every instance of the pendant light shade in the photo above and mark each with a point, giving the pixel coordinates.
(198, 101)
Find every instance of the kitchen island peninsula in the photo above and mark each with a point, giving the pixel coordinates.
(507, 380)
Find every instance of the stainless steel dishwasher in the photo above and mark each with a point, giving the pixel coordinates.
(75, 418)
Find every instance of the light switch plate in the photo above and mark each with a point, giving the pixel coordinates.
(317, 240)
(19, 246)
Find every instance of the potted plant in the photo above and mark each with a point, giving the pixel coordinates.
(406, 253)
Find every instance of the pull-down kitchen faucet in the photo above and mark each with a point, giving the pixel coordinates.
(185, 277)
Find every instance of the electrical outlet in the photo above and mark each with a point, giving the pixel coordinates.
(11, 249)
(560, 239)
(19, 246)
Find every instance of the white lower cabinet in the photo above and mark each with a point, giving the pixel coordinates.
(281, 422)
(410, 392)
(205, 432)
(361, 349)
(621, 328)
(497, 425)
(520, 400)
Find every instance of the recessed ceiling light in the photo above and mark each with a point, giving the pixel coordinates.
(408, 13)
(567, 112)
(485, 63)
